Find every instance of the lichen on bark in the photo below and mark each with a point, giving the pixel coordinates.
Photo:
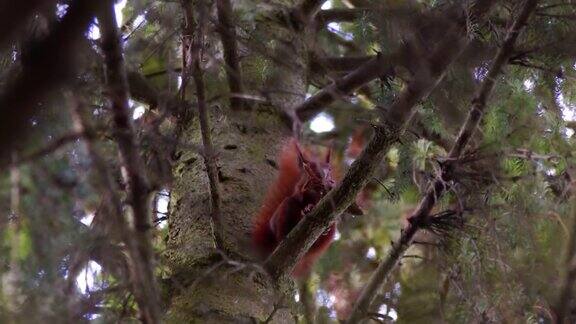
(205, 285)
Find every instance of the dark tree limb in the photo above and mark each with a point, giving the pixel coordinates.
(341, 15)
(143, 91)
(51, 147)
(308, 9)
(337, 64)
(418, 219)
(15, 14)
(370, 70)
(307, 231)
(146, 293)
(52, 65)
(227, 32)
(380, 65)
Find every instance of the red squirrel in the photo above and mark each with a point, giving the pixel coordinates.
(302, 181)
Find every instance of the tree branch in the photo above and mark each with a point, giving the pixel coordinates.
(408, 55)
(116, 225)
(337, 64)
(418, 219)
(198, 75)
(227, 32)
(351, 14)
(51, 147)
(381, 64)
(142, 90)
(340, 15)
(367, 72)
(309, 8)
(15, 14)
(307, 231)
(138, 189)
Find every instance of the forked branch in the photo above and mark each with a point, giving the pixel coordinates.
(301, 238)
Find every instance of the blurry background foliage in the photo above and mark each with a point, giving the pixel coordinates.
(503, 266)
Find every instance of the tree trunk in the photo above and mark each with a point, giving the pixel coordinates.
(204, 286)
(212, 286)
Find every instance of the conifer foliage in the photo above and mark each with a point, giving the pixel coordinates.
(429, 176)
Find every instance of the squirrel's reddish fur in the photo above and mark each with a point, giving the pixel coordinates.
(301, 182)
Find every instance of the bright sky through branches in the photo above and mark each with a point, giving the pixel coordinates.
(94, 31)
(322, 123)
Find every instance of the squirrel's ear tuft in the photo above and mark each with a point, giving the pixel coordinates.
(328, 155)
(309, 171)
(355, 210)
(299, 154)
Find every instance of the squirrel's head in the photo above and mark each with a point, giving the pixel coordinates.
(316, 174)
(317, 177)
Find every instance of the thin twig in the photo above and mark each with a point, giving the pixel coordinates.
(51, 147)
(198, 75)
(227, 32)
(104, 183)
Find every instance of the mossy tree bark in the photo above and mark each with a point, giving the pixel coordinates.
(204, 285)
(211, 285)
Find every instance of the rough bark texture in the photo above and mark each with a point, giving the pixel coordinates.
(245, 144)
(207, 288)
